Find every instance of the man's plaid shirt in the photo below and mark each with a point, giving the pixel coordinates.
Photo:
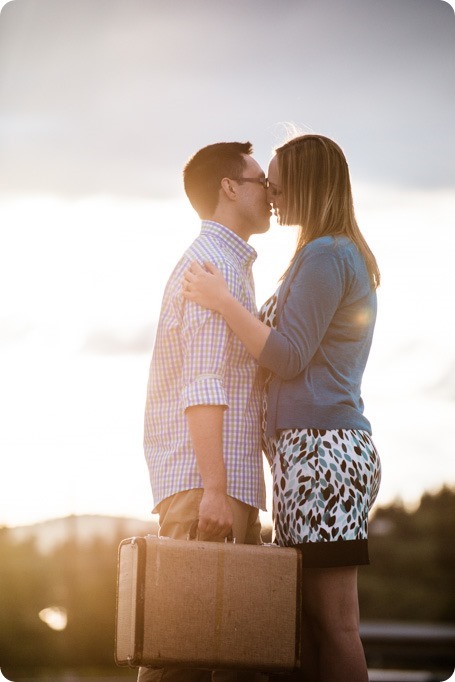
(197, 360)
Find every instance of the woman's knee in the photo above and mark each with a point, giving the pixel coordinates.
(330, 600)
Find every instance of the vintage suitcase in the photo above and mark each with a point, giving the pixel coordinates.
(207, 605)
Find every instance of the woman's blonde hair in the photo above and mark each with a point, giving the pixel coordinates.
(317, 194)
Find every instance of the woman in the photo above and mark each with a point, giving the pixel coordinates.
(314, 337)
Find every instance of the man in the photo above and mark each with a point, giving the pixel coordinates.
(202, 423)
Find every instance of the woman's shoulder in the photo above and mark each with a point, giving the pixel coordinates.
(336, 247)
(323, 249)
(330, 244)
(333, 254)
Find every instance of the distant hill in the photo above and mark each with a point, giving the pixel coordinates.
(49, 534)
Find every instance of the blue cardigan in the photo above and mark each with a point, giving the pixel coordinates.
(326, 312)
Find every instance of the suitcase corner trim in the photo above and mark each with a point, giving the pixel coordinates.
(137, 546)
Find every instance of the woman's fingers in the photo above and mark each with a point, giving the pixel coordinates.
(185, 284)
(195, 268)
(211, 268)
(196, 275)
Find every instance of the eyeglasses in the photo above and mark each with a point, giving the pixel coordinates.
(262, 181)
(275, 191)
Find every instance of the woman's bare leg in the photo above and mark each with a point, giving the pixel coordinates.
(310, 651)
(331, 602)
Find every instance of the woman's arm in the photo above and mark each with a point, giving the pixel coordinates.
(208, 288)
(313, 299)
(310, 304)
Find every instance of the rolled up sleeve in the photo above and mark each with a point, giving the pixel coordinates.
(206, 389)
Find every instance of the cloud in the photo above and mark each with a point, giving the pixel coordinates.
(112, 342)
(444, 387)
(112, 97)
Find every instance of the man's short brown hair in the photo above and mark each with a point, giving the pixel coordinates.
(203, 173)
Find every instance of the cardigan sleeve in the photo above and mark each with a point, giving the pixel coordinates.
(314, 295)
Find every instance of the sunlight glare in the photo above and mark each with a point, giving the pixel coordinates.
(85, 280)
(55, 617)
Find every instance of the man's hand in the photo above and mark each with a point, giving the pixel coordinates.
(205, 423)
(215, 515)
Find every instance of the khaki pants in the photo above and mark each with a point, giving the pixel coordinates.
(177, 515)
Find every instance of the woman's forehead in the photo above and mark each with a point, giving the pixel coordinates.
(273, 168)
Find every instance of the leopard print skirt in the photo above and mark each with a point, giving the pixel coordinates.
(324, 485)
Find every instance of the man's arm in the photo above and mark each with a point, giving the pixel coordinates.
(206, 340)
(205, 423)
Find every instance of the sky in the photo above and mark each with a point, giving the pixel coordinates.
(101, 104)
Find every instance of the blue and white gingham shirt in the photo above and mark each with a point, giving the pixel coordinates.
(197, 360)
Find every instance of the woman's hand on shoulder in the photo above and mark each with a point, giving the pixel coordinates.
(205, 286)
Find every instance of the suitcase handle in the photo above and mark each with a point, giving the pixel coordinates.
(192, 535)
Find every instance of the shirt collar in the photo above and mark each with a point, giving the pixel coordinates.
(244, 251)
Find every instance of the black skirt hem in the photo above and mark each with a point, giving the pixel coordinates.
(334, 554)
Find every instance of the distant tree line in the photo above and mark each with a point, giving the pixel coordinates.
(412, 554)
(411, 578)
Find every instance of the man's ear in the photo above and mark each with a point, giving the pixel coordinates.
(227, 186)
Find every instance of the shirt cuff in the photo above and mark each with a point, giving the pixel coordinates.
(206, 389)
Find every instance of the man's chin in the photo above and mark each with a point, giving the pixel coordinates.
(263, 227)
